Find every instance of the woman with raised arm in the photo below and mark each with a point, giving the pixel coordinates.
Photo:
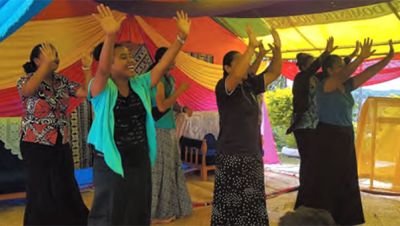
(305, 115)
(239, 192)
(53, 196)
(123, 131)
(170, 199)
(337, 189)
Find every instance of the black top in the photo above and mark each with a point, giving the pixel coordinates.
(130, 122)
(238, 117)
(301, 89)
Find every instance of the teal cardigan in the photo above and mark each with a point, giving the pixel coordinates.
(101, 133)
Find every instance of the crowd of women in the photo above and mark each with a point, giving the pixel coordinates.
(137, 175)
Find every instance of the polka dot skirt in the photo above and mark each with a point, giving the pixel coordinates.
(239, 192)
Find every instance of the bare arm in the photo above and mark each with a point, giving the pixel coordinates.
(371, 71)
(32, 85)
(163, 103)
(110, 26)
(260, 56)
(240, 70)
(87, 60)
(275, 67)
(334, 82)
(183, 24)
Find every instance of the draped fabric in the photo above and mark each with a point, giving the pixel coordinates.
(14, 14)
(378, 144)
(237, 8)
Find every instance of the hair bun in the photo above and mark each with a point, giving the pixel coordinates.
(29, 67)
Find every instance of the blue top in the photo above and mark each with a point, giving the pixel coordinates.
(167, 121)
(101, 133)
(336, 107)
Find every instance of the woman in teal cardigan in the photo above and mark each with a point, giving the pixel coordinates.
(170, 197)
(123, 131)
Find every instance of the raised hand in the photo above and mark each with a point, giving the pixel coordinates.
(366, 48)
(183, 23)
(253, 42)
(391, 50)
(356, 50)
(49, 53)
(87, 59)
(263, 51)
(277, 39)
(108, 22)
(330, 45)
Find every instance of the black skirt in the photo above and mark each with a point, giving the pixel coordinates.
(306, 144)
(122, 200)
(335, 179)
(239, 192)
(53, 196)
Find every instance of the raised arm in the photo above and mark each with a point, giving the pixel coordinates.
(46, 67)
(240, 70)
(275, 67)
(163, 103)
(260, 56)
(350, 57)
(183, 23)
(110, 27)
(316, 65)
(86, 60)
(371, 71)
(334, 82)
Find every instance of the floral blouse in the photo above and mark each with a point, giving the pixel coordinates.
(45, 111)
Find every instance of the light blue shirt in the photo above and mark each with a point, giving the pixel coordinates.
(336, 107)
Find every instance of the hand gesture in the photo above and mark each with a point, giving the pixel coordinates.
(107, 20)
(87, 59)
(183, 23)
(49, 53)
(330, 45)
(253, 42)
(356, 50)
(263, 51)
(366, 51)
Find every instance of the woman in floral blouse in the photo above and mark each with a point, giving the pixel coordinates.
(53, 196)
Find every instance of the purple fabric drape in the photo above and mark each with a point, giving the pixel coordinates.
(235, 8)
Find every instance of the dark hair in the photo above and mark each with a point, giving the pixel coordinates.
(307, 216)
(302, 59)
(30, 66)
(157, 57)
(99, 47)
(227, 61)
(330, 61)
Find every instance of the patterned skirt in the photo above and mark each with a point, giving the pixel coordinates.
(170, 197)
(239, 192)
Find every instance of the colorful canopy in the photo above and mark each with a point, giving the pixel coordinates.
(70, 27)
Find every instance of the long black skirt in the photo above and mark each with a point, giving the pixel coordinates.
(306, 144)
(53, 196)
(122, 200)
(335, 179)
(239, 191)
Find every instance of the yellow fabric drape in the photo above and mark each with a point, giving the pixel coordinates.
(312, 38)
(204, 73)
(378, 143)
(71, 37)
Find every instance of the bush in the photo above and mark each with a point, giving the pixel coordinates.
(279, 104)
